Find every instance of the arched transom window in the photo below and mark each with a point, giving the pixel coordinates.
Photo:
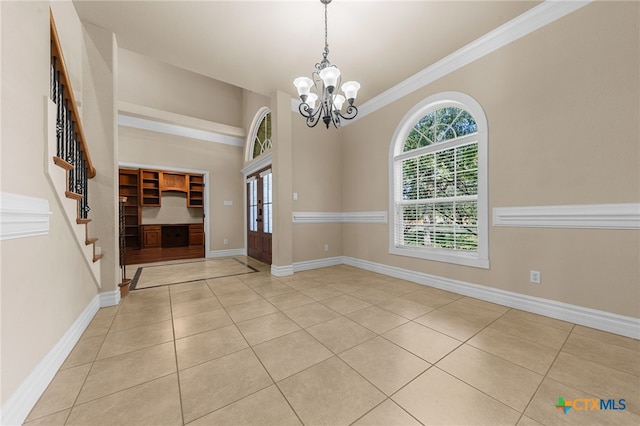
(438, 163)
(262, 139)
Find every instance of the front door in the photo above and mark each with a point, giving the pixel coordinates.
(259, 215)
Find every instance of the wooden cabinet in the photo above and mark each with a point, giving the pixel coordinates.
(143, 188)
(150, 188)
(196, 234)
(174, 182)
(129, 187)
(151, 236)
(195, 197)
(172, 235)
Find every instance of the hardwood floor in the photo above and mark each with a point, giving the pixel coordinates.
(149, 255)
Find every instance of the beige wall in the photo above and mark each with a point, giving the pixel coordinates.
(146, 81)
(318, 182)
(223, 162)
(99, 93)
(251, 103)
(45, 283)
(151, 83)
(173, 210)
(562, 107)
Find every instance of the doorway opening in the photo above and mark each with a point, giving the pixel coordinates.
(260, 215)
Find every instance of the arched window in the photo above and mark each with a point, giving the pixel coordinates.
(438, 167)
(261, 141)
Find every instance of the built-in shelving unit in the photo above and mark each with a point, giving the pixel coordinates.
(150, 188)
(196, 191)
(130, 189)
(143, 188)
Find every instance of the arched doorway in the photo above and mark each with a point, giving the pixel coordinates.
(259, 185)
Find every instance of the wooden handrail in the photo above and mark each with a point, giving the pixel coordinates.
(56, 50)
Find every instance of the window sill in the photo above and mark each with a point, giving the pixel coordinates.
(458, 258)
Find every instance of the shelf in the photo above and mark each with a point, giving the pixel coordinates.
(195, 197)
(150, 188)
(129, 187)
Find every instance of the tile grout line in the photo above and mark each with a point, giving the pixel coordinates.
(84, 382)
(274, 383)
(175, 353)
(547, 372)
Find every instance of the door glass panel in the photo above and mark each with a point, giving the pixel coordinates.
(267, 204)
(253, 205)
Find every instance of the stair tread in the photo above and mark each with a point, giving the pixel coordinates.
(73, 195)
(81, 221)
(90, 240)
(98, 257)
(61, 163)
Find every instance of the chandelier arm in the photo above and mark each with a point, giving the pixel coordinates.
(327, 97)
(312, 116)
(350, 112)
(312, 121)
(304, 110)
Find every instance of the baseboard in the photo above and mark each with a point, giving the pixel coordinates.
(109, 298)
(601, 320)
(281, 271)
(318, 263)
(16, 409)
(594, 318)
(226, 253)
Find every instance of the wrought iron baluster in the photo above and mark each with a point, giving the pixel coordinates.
(77, 169)
(70, 154)
(59, 124)
(52, 72)
(70, 136)
(68, 140)
(85, 190)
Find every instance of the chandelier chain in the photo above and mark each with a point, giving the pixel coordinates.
(326, 37)
(326, 80)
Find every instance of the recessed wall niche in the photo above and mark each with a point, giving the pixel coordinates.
(173, 210)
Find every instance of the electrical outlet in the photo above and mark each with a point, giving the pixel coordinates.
(226, 241)
(326, 247)
(534, 277)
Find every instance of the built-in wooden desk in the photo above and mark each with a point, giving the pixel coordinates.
(172, 235)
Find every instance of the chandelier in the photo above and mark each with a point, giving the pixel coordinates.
(324, 80)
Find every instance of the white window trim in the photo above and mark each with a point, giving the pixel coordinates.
(479, 259)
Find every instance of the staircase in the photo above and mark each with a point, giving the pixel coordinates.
(68, 164)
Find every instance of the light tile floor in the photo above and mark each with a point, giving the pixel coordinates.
(334, 346)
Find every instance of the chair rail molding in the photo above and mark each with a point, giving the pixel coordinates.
(340, 217)
(585, 216)
(22, 216)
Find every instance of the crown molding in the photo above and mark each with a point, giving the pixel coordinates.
(177, 130)
(526, 23)
(155, 120)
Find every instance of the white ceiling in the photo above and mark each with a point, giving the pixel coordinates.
(263, 45)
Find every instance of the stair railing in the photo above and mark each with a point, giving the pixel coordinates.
(72, 152)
